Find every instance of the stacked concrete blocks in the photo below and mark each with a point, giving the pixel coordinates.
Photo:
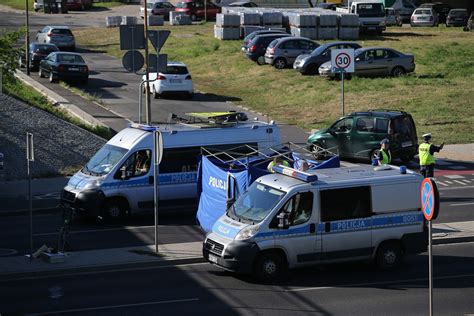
(113, 21)
(227, 27)
(272, 19)
(129, 20)
(303, 24)
(179, 18)
(348, 27)
(327, 26)
(155, 20)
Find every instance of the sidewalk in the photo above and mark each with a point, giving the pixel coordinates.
(169, 254)
(458, 152)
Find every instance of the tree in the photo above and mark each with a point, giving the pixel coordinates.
(9, 52)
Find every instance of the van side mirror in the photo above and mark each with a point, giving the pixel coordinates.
(124, 174)
(283, 220)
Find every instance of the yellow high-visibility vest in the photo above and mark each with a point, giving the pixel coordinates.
(424, 155)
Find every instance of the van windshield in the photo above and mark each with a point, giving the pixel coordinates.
(255, 204)
(104, 160)
(370, 10)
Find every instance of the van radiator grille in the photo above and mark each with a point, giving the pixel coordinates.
(214, 247)
(68, 196)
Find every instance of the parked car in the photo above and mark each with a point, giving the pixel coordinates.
(195, 9)
(79, 4)
(251, 36)
(245, 4)
(424, 17)
(308, 64)
(441, 9)
(255, 50)
(457, 17)
(358, 135)
(281, 53)
(176, 79)
(157, 8)
(327, 6)
(376, 61)
(61, 36)
(64, 66)
(37, 53)
(392, 17)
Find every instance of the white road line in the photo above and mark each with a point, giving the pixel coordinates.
(457, 181)
(454, 176)
(377, 283)
(442, 183)
(98, 230)
(88, 309)
(457, 188)
(467, 181)
(449, 182)
(461, 204)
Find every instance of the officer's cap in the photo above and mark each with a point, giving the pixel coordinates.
(384, 141)
(426, 136)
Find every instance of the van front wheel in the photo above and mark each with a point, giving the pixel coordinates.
(269, 266)
(113, 210)
(389, 256)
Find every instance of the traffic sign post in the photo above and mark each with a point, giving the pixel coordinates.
(158, 154)
(30, 157)
(342, 61)
(430, 208)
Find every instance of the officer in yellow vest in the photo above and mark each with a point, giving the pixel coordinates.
(426, 151)
(384, 156)
(278, 160)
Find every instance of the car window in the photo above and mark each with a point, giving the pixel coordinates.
(45, 29)
(299, 207)
(343, 125)
(381, 125)
(381, 54)
(137, 165)
(306, 45)
(176, 70)
(61, 32)
(356, 203)
(272, 44)
(365, 124)
(199, 5)
(67, 58)
(402, 126)
(290, 45)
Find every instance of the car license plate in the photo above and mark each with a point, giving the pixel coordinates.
(73, 69)
(407, 144)
(212, 258)
(371, 28)
(175, 80)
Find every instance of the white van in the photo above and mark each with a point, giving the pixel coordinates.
(118, 179)
(317, 217)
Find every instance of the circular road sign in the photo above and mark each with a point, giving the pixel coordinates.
(429, 199)
(133, 60)
(343, 60)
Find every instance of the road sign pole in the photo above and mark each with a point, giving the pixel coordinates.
(342, 80)
(158, 153)
(27, 39)
(430, 254)
(30, 157)
(147, 75)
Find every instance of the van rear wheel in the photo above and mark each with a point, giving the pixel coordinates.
(389, 256)
(269, 266)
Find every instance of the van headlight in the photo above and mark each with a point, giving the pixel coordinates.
(247, 233)
(93, 185)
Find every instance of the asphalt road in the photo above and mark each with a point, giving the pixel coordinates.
(348, 289)
(176, 226)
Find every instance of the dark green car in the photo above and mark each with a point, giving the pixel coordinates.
(358, 135)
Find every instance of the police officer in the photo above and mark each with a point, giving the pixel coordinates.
(278, 160)
(426, 151)
(384, 156)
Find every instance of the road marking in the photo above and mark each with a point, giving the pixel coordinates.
(100, 230)
(457, 188)
(454, 176)
(443, 184)
(88, 309)
(467, 181)
(378, 283)
(449, 182)
(457, 181)
(460, 204)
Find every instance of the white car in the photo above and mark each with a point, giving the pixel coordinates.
(176, 79)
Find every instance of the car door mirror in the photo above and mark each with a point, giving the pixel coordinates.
(283, 220)
(124, 173)
(357, 59)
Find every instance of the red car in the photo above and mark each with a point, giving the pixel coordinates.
(79, 4)
(195, 9)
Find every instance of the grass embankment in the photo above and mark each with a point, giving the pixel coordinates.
(18, 4)
(28, 95)
(439, 95)
(108, 5)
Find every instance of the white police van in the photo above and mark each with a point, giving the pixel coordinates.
(118, 179)
(291, 219)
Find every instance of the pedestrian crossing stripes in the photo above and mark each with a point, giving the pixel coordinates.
(455, 181)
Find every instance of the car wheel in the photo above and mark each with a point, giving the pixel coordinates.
(279, 63)
(389, 256)
(318, 151)
(190, 95)
(156, 95)
(51, 78)
(113, 210)
(261, 60)
(269, 266)
(398, 71)
(193, 17)
(40, 73)
(84, 81)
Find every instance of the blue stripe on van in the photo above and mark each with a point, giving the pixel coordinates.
(164, 179)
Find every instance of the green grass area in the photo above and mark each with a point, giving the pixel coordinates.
(18, 4)
(108, 5)
(439, 94)
(28, 95)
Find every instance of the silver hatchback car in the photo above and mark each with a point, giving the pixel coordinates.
(424, 17)
(282, 52)
(61, 36)
(375, 61)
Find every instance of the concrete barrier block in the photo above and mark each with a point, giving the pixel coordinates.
(227, 20)
(226, 33)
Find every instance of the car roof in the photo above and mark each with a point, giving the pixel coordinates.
(63, 27)
(66, 53)
(43, 44)
(459, 10)
(176, 63)
(291, 38)
(339, 43)
(271, 35)
(378, 112)
(374, 47)
(239, 3)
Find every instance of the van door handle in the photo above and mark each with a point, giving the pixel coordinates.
(327, 227)
(150, 180)
(312, 228)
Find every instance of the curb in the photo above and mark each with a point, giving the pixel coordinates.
(452, 240)
(35, 210)
(59, 101)
(95, 269)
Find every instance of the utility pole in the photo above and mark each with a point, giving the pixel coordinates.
(27, 39)
(147, 76)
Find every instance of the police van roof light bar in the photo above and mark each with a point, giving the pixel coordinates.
(304, 176)
(143, 127)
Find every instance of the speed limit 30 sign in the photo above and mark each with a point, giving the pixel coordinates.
(342, 60)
